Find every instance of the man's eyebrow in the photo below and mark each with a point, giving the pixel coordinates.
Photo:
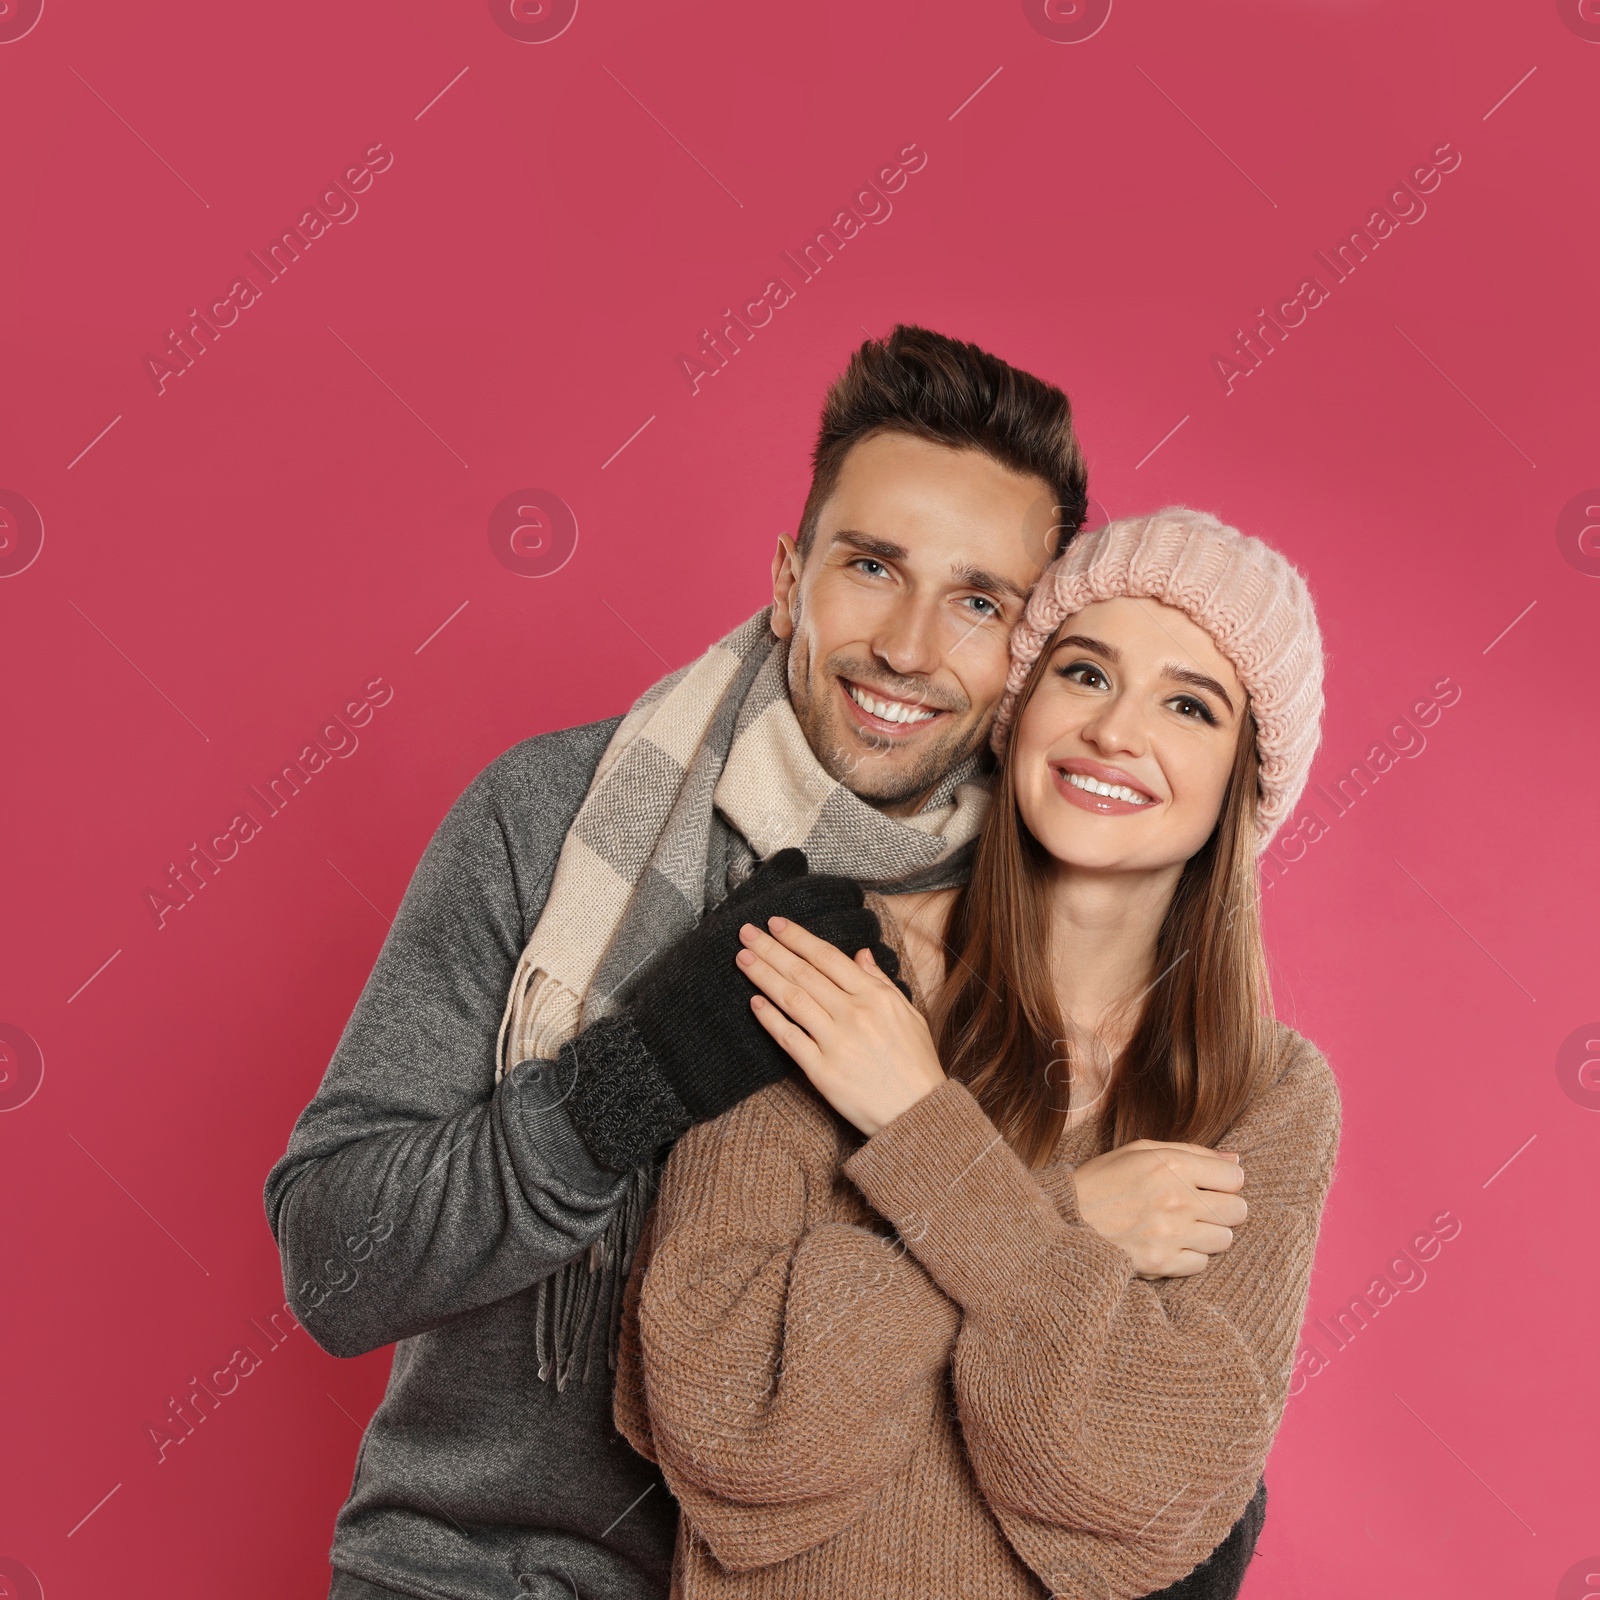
(989, 582)
(883, 549)
(1199, 680)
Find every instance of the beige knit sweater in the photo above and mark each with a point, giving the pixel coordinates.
(904, 1366)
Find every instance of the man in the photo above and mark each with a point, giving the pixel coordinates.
(555, 1005)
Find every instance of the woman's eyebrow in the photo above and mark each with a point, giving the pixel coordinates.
(1082, 641)
(1199, 680)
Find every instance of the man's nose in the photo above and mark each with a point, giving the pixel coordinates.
(908, 641)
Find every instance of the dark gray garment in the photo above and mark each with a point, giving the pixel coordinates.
(419, 1203)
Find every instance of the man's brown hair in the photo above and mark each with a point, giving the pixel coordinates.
(956, 394)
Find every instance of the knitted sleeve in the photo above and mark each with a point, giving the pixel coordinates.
(779, 1365)
(1117, 1427)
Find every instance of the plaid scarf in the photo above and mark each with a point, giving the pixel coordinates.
(707, 774)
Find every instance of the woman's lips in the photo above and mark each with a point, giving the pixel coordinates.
(1103, 805)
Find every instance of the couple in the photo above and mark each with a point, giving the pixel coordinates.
(749, 1114)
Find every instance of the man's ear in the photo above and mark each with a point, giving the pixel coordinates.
(785, 586)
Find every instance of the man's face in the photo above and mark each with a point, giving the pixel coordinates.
(900, 615)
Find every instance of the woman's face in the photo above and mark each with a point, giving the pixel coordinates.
(1123, 754)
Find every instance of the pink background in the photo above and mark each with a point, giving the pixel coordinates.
(307, 508)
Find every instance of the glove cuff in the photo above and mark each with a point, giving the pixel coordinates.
(622, 1107)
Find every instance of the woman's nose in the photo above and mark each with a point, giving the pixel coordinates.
(1117, 727)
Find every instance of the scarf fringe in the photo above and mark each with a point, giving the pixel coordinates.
(565, 1323)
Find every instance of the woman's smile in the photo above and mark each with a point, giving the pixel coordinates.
(1106, 791)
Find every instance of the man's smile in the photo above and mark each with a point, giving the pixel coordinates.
(885, 715)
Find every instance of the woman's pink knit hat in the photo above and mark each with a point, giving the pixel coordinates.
(1252, 602)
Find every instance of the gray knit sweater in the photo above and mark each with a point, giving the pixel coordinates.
(417, 1204)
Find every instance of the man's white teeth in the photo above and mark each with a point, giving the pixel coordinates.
(889, 710)
(1112, 791)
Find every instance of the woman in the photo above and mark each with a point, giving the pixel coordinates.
(895, 1328)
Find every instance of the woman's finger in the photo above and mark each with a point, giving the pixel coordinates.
(786, 993)
(825, 957)
(797, 968)
(795, 1041)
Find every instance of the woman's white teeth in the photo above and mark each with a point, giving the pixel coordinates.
(1112, 791)
(889, 710)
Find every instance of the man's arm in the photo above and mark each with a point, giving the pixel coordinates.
(414, 1188)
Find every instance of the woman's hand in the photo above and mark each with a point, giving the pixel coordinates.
(1170, 1206)
(863, 1045)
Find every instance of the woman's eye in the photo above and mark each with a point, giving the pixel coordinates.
(1187, 705)
(1086, 673)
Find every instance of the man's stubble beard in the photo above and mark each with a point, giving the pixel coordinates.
(838, 747)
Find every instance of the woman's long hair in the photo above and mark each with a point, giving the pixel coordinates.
(1201, 1042)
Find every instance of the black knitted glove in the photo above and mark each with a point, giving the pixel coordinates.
(686, 1045)
(1221, 1575)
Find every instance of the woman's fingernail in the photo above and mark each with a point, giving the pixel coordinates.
(748, 930)
(777, 924)
(745, 958)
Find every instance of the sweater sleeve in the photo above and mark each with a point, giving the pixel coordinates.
(414, 1188)
(1116, 1427)
(788, 1363)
